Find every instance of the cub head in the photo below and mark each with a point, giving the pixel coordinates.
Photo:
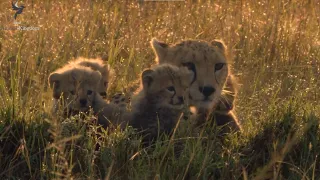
(208, 62)
(97, 65)
(166, 84)
(76, 86)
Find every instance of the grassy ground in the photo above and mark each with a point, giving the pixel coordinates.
(275, 48)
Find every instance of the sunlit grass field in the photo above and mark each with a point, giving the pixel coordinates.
(274, 49)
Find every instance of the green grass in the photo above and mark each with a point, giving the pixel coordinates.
(274, 47)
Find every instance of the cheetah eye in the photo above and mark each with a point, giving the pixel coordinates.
(218, 66)
(171, 88)
(89, 92)
(72, 92)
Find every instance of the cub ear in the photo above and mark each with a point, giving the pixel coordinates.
(54, 79)
(160, 49)
(189, 75)
(106, 66)
(147, 78)
(219, 44)
(107, 69)
(96, 76)
(104, 57)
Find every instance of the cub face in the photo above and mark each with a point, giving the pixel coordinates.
(207, 61)
(97, 65)
(167, 84)
(76, 86)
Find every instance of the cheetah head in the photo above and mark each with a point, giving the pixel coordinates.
(76, 86)
(166, 84)
(97, 65)
(208, 62)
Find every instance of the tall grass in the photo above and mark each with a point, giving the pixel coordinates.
(274, 48)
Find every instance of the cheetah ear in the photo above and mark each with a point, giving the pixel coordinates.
(105, 57)
(106, 69)
(96, 76)
(160, 49)
(189, 75)
(147, 78)
(54, 78)
(219, 44)
(106, 66)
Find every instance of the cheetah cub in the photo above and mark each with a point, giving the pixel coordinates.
(96, 65)
(80, 64)
(106, 75)
(158, 105)
(75, 89)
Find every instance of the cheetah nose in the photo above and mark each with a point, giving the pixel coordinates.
(180, 98)
(103, 94)
(206, 90)
(83, 102)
